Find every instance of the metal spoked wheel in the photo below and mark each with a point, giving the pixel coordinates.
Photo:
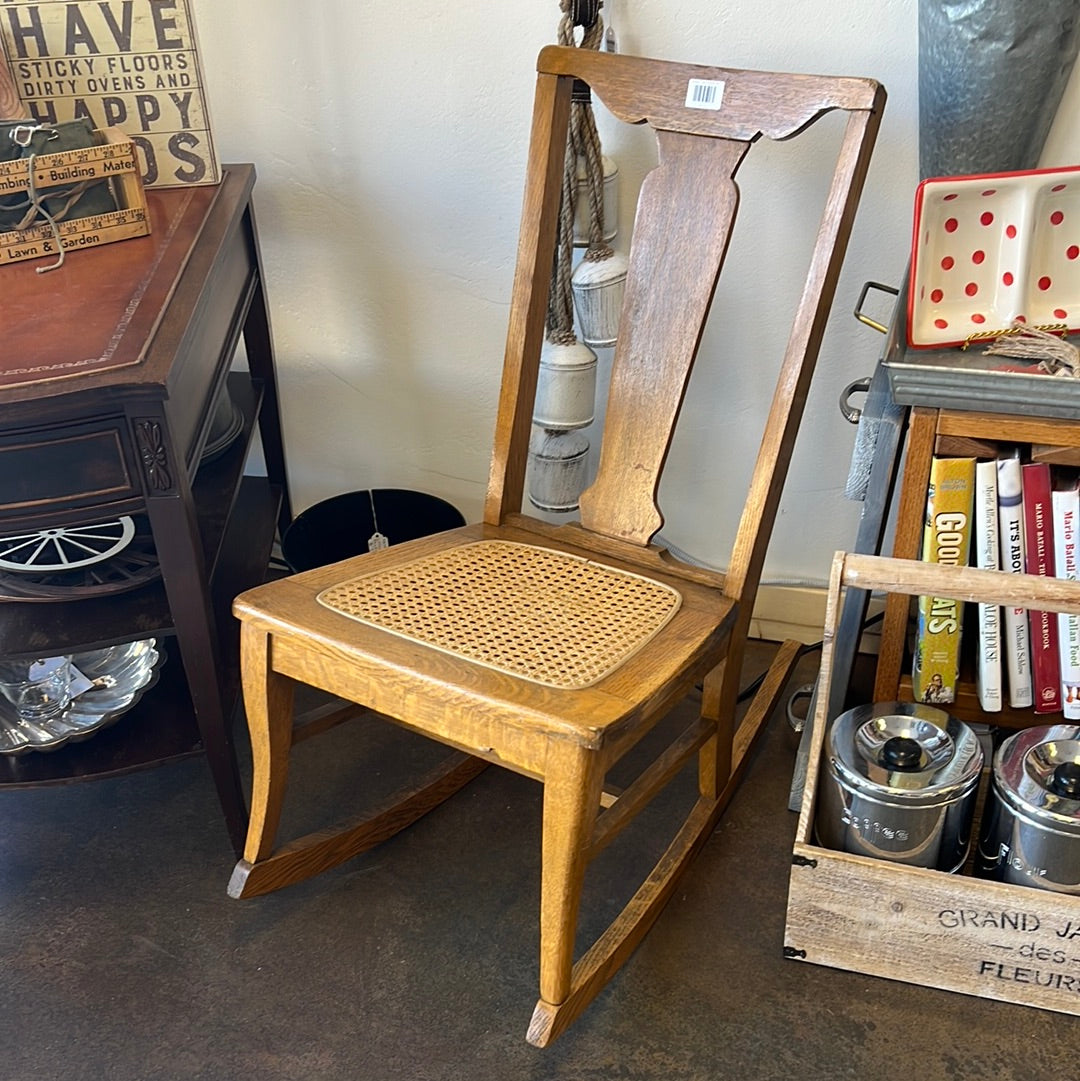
(65, 548)
(94, 559)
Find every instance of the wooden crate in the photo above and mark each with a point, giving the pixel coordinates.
(114, 160)
(954, 932)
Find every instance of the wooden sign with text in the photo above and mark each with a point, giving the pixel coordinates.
(130, 64)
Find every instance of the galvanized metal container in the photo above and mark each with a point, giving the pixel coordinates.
(599, 286)
(1031, 826)
(558, 469)
(991, 76)
(901, 785)
(610, 188)
(566, 387)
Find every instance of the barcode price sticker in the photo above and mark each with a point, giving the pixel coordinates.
(704, 94)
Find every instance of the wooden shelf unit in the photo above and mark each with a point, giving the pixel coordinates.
(955, 433)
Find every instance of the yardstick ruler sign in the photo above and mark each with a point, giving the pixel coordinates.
(115, 161)
(77, 233)
(130, 64)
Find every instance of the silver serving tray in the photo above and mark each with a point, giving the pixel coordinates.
(968, 379)
(121, 676)
(953, 379)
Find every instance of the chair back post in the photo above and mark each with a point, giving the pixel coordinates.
(528, 303)
(804, 344)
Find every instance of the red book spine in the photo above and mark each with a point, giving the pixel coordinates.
(1039, 556)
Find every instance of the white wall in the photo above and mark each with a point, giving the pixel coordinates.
(389, 141)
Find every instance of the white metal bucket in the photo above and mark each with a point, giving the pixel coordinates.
(611, 202)
(598, 287)
(566, 388)
(559, 467)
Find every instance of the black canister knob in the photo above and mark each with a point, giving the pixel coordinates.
(900, 753)
(1065, 780)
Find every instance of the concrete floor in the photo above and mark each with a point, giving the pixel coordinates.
(124, 960)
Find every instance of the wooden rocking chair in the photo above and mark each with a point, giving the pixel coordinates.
(552, 650)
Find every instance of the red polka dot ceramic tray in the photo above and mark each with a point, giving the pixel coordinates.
(990, 249)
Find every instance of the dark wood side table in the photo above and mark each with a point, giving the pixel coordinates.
(112, 371)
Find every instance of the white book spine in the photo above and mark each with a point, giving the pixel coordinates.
(1066, 503)
(988, 673)
(1015, 641)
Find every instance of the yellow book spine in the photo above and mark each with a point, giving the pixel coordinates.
(946, 540)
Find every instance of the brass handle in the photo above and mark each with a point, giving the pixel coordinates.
(861, 315)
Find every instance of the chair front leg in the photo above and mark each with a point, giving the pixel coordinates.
(572, 791)
(268, 702)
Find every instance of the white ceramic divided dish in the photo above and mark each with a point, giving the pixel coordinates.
(990, 249)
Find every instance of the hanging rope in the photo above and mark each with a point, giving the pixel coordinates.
(583, 141)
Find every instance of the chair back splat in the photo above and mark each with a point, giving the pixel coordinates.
(686, 211)
(552, 650)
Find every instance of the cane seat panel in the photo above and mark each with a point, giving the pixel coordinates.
(538, 614)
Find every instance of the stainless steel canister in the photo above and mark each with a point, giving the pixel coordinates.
(901, 785)
(1031, 826)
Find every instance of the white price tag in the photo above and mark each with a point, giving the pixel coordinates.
(704, 94)
(80, 682)
(42, 669)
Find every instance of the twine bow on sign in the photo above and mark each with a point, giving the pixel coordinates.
(1055, 355)
(22, 135)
